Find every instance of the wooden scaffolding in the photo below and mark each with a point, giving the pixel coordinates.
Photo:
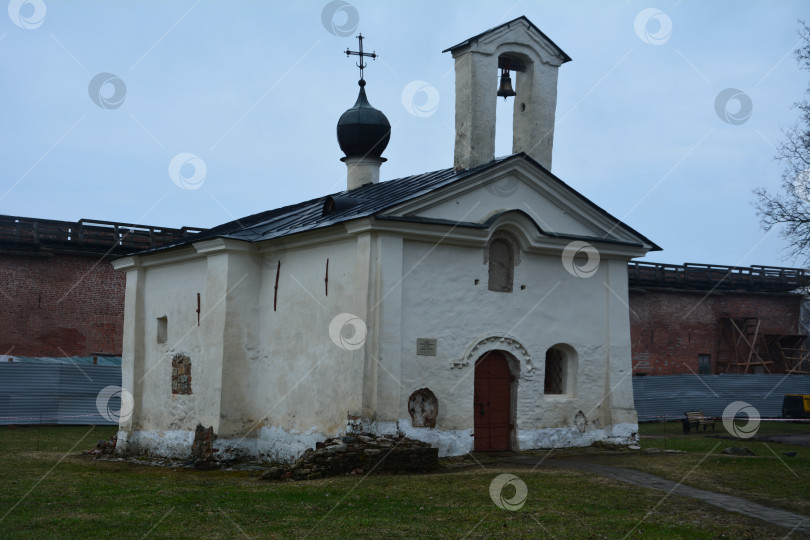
(741, 346)
(788, 352)
(745, 348)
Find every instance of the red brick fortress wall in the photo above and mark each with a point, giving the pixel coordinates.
(670, 328)
(60, 305)
(59, 295)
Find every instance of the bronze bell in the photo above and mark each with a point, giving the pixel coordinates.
(506, 85)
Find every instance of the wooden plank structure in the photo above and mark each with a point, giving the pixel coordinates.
(717, 277)
(20, 234)
(745, 348)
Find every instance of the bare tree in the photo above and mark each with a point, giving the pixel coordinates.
(790, 208)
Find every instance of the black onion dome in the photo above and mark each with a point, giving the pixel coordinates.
(363, 130)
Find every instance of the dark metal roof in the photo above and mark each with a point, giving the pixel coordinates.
(369, 199)
(466, 42)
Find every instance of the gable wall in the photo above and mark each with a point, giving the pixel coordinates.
(441, 300)
(507, 193)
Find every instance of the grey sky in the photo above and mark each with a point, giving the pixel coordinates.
(254, 89)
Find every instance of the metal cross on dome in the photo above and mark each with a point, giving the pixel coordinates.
(361, 54)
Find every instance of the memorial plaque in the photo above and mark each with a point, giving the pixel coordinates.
(426, 346)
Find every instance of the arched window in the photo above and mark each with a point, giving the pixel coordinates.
(560, 372)
(555, 372)
(501, 265)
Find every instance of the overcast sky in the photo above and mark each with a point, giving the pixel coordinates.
(200, 112)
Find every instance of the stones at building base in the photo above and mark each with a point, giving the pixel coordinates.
(103, 447)
(202, 449)
(356, 455)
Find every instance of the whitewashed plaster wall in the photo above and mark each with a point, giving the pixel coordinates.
(165, 291)
(476, 65)
(302, 379)
(272, 382)
(441, 300)
(478, 205)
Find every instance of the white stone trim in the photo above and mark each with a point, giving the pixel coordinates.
(219, 245)
(502, 342)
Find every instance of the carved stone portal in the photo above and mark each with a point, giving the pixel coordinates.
(498, 342)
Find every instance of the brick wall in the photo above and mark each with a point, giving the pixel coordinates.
(670, 328)
(60, 304)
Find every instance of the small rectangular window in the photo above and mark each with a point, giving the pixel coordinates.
(704, 364)
(162, 329)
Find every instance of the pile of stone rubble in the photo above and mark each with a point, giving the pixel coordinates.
(358, 454)
(102, 448)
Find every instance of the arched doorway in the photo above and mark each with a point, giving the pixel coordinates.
(492, 402)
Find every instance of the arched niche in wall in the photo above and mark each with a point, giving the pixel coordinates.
(423, 408)
(502, 255)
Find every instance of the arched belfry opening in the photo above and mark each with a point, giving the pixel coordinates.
(529, 56)
(507, 106)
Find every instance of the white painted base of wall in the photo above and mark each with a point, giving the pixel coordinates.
(277, 445)
(620, 434)
(455, 442)
(273, 444)
(169, 443)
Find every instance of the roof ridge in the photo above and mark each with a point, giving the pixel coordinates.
(476, 37)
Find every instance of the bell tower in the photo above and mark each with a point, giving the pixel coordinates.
(517, 46)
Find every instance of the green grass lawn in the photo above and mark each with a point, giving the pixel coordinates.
(54, 492)
(769, 477)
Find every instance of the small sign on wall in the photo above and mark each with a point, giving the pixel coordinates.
(426, 346)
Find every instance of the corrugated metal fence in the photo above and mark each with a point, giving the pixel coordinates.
(671, 395)
(68, 394)
(57, 393)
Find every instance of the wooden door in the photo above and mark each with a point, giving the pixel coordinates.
(493, 403)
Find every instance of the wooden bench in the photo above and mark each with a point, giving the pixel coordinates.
(697, 419)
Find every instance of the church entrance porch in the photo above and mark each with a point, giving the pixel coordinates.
(492, 402)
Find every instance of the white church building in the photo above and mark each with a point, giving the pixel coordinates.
(479, 307)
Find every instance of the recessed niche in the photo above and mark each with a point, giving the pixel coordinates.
(423, 408)
(162, 329)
